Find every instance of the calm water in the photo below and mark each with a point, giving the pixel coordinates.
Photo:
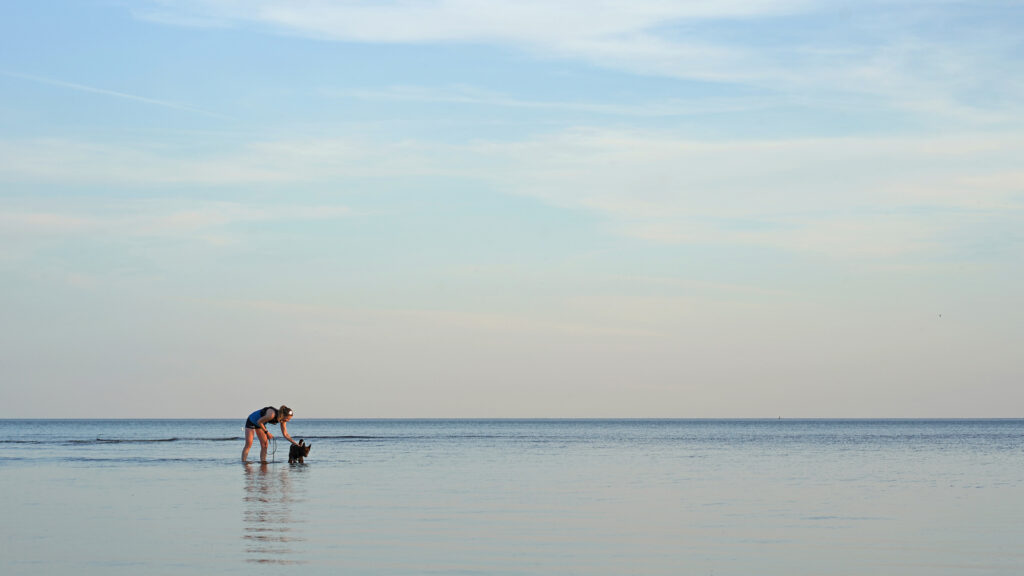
(730, 497)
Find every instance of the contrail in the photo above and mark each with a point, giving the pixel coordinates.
(84, 88)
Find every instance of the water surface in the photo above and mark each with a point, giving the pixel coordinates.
(742, 497)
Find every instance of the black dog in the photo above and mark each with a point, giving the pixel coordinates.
(297, 452)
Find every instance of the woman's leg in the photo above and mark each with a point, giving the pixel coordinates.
(263, 445)
(248, 443)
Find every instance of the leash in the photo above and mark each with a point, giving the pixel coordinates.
(273, 453)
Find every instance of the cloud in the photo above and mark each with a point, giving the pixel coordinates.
(475, 96)
(850, 196)
(931, 62)
(151, 218)
(142, 163)
(112, 93)
(415, 21)
(616, 34)
(644, 173)
(43, 222)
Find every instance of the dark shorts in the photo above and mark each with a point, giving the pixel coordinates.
(253, 421)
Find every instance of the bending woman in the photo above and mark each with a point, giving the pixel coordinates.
(256, 424)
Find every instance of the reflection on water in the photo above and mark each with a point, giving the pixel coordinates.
(272, 514)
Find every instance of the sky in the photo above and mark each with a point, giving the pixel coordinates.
(490, 209)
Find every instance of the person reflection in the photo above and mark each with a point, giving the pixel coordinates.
(271, 530)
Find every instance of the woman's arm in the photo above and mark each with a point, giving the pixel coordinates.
(284, 432)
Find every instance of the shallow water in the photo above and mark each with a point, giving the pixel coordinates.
(721, 497)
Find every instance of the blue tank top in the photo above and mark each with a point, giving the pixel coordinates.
(255, 416)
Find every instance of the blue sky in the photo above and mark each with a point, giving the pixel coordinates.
(512, 209)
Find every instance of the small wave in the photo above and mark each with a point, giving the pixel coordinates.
(403, 437)
(124, 441)
(344, 437)
(144, 440)
(141, 460)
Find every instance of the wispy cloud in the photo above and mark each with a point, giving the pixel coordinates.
(618, 34)
(112, 93)
(477, 97)
(868, 196)
(301, 161)
(150, 218)
(846, 196)
(888, 53)
(413, 21)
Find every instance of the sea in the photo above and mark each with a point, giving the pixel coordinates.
(515, 497)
